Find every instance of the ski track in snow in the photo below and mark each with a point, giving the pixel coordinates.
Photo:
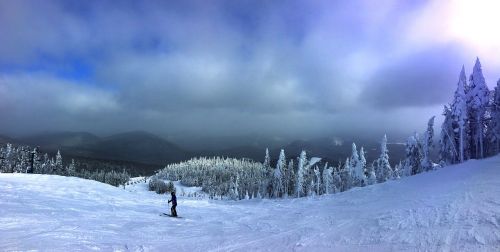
(452, 209)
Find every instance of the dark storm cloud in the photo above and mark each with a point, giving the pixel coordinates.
(426, 78)
(220, 67)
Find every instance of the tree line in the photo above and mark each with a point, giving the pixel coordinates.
(25, 159)
(471, 127)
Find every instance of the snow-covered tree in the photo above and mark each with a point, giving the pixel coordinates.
(448, 151)
(354, 156)
(24, 159)
(233, 191)
(477, 101)
(354, 162)
(267, 182)
(7, 161)
(494, 125)
(337, 180)
(398, 170)
(412, 163)
(426, 162)
(71, 169)
(328, 180)
(37, 160)
(371, 177)
(459, 113)
(383, 169)
(362, 158)
(301, 172)
(59, 163)
(359, 167)
(284, 179)
(290, 178)
(317, 181)
(278, 188)
(345, 176)
(310, 188)
(267, 159)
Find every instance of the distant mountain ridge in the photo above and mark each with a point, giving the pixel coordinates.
(55, 140)
(134, 146)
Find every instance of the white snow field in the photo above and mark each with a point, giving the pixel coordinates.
(456, 208)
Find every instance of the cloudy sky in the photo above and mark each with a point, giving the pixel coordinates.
(285, 69)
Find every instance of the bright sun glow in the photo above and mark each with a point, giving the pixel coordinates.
(476, 23)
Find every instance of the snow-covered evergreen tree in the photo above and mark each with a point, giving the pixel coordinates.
(495, 122)
(412, 163)
(345, 176)
(459, 113)
(477, 102)
(360, 167)
(267, 182)
(310, 188)
(337, 180)
(354, 156)
(233, 191)
(301, 170)
(37, 161)
(284, 179)
(59, 163)
(398, 170)
(7, 164)
(291, 178)
(328, 180)
(278, 175)
(267, 159)
(354, 162)
(317, 181)
(448, 151)
(71, 169)
(362, 158)
(24, 155)
(426, 162)
(371, 177)
(383, 169)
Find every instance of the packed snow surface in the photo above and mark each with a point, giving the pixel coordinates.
(456, 208)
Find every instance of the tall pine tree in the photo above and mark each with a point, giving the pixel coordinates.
(278, 189)
(412, 163)
(448, 151)
(383, 169)
(459, 114)
(477, 101)
(495, 122)
(426, 163)
(301, 174)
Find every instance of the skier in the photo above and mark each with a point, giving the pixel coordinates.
(174, 204)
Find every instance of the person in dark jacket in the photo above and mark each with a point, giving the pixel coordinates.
(174, 204)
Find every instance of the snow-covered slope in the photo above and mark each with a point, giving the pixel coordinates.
(453, 209)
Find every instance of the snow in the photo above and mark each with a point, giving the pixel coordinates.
(456, 208)
(313, 161)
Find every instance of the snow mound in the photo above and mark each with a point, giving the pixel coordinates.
(452, 209)
(313, 161)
